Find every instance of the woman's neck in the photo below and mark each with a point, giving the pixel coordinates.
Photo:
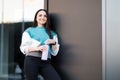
(40, 25)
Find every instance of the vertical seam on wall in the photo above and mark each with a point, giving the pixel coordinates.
(104, 40)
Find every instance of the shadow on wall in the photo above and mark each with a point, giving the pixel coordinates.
(65, 49)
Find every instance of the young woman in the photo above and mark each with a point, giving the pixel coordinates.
(38, 43)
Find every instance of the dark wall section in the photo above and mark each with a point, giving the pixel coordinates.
(78, 24)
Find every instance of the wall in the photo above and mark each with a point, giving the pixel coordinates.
(78, 24)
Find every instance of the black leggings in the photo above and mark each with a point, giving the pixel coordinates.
(34, 65)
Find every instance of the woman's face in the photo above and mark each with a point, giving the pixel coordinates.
(41, 18)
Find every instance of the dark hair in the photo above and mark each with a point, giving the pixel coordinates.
(46, 25)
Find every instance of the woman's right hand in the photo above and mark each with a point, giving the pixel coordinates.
(40, 48)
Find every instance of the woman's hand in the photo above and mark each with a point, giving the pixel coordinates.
(54, 47)
(49, 41)
(40, 48)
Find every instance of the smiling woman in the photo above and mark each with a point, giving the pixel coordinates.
(37, 45)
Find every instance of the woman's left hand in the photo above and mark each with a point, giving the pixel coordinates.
(49, 41)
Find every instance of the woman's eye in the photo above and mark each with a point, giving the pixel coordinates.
(45, 15)
(40, 15)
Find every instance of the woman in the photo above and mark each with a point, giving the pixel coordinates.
(38, 44)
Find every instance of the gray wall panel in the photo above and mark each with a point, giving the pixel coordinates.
(112, 28)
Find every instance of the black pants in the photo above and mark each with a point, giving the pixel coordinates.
(34, 65)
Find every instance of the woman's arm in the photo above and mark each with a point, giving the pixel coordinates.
(25, 43)
(28, 44)
(55, 45)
